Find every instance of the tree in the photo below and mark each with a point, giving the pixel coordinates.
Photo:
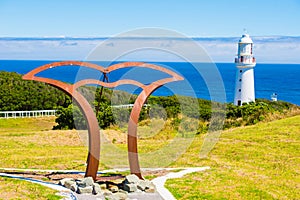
(18, 94)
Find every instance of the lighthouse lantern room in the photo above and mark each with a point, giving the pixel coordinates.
(245, 63)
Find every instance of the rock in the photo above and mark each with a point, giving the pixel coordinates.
(85, 190)
(111, 197)
(118, 181)
(150, 190)
(81, 184)
(62, 181)
(74, 187)
(130, 187)
(120, 196)
(87, 181)
(132, 178)
(122, 191)
(110, 190)
(149, 184)
(69, 183)
(114, 188)
(106, 192)
(79, 180)
(142, 185)
(96, 188)
(138, 191)
(103, 186)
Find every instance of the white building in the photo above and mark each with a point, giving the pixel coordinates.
(245, 63)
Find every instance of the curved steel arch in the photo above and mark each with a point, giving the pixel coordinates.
(93, 127)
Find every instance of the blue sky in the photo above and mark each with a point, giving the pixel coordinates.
(270, 24)
(94, 18)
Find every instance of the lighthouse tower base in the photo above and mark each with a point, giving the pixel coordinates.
(245, 63)
(244, 88)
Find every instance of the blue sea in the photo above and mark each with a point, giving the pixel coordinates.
(203, 80)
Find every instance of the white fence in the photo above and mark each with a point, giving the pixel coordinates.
(46, 113)
(22, 114)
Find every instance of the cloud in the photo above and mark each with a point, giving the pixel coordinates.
(64, 43)
(268, 49)
(45, 48)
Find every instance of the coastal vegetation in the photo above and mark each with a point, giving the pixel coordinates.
(176, 109)
(18, 94)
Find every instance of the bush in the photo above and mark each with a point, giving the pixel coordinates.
(181, 111)
(18, 94)
(255, 112)
(70, 118)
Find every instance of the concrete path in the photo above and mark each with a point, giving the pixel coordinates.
(160, 181)
(46, 184)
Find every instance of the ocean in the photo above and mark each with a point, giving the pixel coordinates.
(203, 80)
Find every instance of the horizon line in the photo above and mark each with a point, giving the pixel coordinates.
(142, 37)
(217, 62)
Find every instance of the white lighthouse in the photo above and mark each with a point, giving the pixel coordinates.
(245, 63)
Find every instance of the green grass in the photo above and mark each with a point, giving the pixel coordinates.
(26, 124)
(16, 189)
(255, 162)
(30, 143)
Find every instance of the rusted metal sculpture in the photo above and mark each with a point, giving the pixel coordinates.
(93, 127)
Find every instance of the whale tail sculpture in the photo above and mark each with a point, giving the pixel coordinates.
(93, 127)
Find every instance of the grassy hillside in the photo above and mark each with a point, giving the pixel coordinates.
(255, 162)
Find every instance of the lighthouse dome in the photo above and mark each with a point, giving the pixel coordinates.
(245, 39)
